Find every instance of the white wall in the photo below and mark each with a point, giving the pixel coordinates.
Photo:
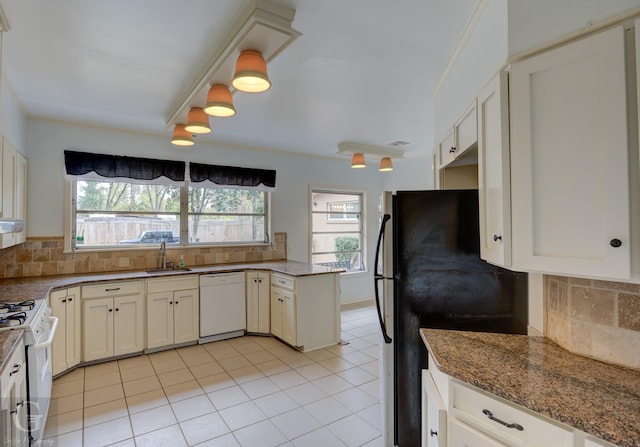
(47, 140)
(483, 55)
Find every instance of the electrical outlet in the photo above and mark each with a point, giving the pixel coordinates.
(123, 262)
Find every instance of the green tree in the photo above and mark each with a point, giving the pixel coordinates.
(347, 249)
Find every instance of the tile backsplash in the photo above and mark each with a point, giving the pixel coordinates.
(598, 319)
(44, 256)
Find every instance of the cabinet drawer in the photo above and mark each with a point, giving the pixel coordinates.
(285, 282)
(171, 284)
(12, 367)
(476, 408)
(112, 289)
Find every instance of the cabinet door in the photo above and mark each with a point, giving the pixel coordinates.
(434, 414)
(20, 195)
(18, 398)
(98, 328)
(159, 319)
(569, 159)
(258, 303)
(253, 297)
(289, 331)
(494, 176)
(447, 148)
(276, 311)
(185, 315)
(128, 324)
(264, 306)
(73, 333)
(58, 301)
(463, 435)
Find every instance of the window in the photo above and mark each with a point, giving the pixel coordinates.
(343, 211)
(108, 214)
(336, 229)
(226, 215)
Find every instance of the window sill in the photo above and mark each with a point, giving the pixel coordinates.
(128, 248)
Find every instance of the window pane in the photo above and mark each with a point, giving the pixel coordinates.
(104, 196)
(228, 201)
(211, 229)
(103, 229)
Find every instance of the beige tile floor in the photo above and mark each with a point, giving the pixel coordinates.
(248, 391)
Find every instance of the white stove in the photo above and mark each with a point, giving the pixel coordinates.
(34, 317)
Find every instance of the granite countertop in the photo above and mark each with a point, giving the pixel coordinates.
(20, 289)
(8, 341)
(598, 398)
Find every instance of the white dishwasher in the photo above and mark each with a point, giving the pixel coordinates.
(223, 310)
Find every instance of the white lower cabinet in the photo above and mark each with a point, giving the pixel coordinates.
(172, 311)
(113, 324)
(305, 311)
(65, 349)
(463, 435)
(13, 400)
(504, 421)
(258, 302)
(283, 310)
(434, 414)
(456, 414)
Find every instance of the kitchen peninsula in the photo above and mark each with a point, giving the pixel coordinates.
(38, 288)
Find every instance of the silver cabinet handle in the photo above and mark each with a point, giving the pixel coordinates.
(500, 421)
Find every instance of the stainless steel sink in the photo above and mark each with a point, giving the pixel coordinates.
(169, 270)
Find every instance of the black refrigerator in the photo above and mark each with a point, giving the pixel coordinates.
(429, 274)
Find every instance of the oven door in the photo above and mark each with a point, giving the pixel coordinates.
(40, 377)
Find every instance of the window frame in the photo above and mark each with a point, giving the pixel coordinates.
(361, 221)
(70, 213)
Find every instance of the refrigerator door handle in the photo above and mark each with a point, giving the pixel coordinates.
(377, 276)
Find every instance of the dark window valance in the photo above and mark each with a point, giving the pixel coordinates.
(232, 176)
(83, 165)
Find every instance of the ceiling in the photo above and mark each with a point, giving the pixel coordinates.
(362, 70)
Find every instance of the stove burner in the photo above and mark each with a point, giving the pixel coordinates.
(16, 319)
(17, 307)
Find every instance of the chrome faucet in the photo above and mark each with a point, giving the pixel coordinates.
(163, 252)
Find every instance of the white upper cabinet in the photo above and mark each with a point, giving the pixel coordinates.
(14, 191)
(459, 139)
(569, 159)
(494, 177)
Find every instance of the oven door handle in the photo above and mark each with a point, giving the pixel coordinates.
(52, 333)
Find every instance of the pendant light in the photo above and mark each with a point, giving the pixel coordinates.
(181, 137)
(357, 161)
(385, 165)
(219, 101)
(251, 73)
(198, 121)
